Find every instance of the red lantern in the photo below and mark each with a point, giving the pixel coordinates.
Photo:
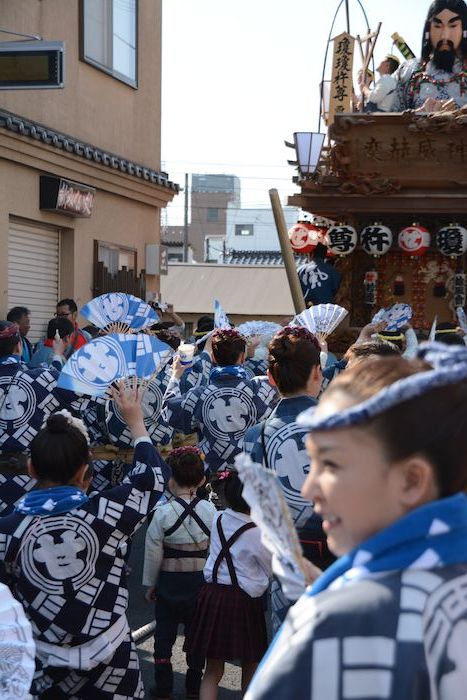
(300, 239)
(414, 240)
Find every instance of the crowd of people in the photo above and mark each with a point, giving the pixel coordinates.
(381, 514)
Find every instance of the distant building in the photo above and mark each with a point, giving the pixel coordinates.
(221, 231)
(209, 199)
(251, 236)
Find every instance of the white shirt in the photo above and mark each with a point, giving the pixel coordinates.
(383, 93)
(251, 559)
(189, 532)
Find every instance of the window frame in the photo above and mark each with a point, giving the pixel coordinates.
(243, 227)
(210, 215)
(119, 247)
(99, 66)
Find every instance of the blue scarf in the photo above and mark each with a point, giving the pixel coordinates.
(53, 501)
(10, 360)
(431, 536)
(232, 370)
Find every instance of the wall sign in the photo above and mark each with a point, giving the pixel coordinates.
(65, 196)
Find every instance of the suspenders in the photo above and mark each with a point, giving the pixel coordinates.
(225, 550)
(188, 510)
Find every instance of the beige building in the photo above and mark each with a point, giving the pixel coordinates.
(97, 141)
(246, 292)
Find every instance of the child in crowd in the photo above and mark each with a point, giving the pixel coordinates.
(176, 549)
(229, 620)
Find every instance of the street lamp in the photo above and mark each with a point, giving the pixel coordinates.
(308, 146)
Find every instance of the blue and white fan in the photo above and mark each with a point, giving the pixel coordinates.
(395, 316)
(93, 368)
(221, 320)
(378, 317)
(117, 312)
(321, 320)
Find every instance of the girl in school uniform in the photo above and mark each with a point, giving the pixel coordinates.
(229, 619)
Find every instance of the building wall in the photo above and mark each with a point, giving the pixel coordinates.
(115, 219)
(200, 227)
(264, 228)
(93, 106)
(98, 109)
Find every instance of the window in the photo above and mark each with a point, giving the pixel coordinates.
(109, 37)
(243, 229)
(115, 257)
(213, 214)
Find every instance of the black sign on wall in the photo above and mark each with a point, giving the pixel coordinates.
(65, 196)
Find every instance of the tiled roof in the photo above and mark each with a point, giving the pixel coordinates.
(257, 257)
(33, 130)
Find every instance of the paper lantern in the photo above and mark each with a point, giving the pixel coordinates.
(376, 239)
(316, 234)
(299, 238)
(452, 240)
(459, 289)
(370, 284)
(414, 240)
(341, 239)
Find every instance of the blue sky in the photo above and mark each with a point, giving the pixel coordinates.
(240, 76)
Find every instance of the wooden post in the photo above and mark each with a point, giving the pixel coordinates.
(287, 255)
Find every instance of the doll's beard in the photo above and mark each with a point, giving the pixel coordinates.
(444, 58)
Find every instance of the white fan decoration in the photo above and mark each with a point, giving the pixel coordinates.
(321, 320)
(252, 328)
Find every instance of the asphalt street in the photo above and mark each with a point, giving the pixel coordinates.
(140, 613)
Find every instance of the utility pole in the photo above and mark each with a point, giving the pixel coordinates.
(185, 227)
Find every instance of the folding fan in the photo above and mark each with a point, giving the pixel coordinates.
(432, 335)
(321, 319)
(117, 312)
(251, 328)
(136, 358)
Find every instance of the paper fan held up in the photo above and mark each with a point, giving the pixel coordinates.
(321, 320)
(92, 369)
(395, 317)
(117, 312)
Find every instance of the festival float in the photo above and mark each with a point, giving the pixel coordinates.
(388, 188)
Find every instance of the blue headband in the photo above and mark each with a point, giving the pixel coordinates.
(449, 366)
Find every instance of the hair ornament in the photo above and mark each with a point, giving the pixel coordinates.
(187, 450)
(448, 366)
(75, 422)
(299, 332)
(9, 331)
(222, 476)
(225, 333)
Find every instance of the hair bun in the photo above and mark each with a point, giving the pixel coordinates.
(57, 423)
(281, 348)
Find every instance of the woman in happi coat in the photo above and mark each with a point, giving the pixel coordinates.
(279, 442)
(62, 556)
(389, 471)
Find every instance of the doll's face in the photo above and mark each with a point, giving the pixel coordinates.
(446, 31)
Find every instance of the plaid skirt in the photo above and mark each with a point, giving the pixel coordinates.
(228, 624)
